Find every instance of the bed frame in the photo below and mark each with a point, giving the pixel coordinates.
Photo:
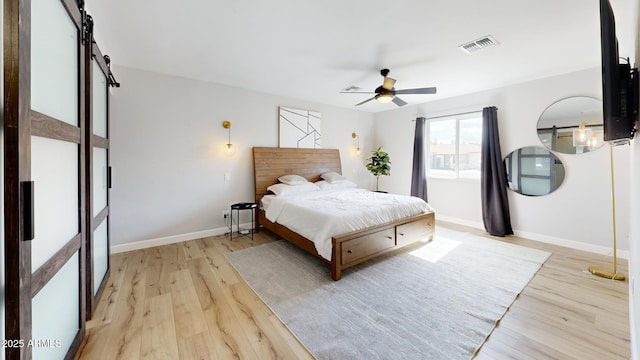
(348, 249)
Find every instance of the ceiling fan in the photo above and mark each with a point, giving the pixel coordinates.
(387, 93)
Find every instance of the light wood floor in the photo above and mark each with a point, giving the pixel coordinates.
(185, 301)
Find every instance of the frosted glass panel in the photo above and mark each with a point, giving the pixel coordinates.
(533, 171)
(536, 166)
(54, 169)
(99, 180)
(100, 255)
(536, 187)
(56, 311)
(99, 101)
(54, 61)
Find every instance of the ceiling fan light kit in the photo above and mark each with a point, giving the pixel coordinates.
(384, 98)
(386, 93)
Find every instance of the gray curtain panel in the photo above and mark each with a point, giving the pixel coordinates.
(419, 175)
(493, 178)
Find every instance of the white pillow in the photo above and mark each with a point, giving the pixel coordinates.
(286, 190)
(292, 179)
(333, 177)
(345, 184)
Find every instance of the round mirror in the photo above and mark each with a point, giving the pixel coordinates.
(572, 125)
(533, 171)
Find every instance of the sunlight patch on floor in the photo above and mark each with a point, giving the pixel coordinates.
(436, 249)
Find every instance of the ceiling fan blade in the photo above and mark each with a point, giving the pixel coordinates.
(429, 90)
(356, 92)
(365, 101)
(396, 100)
(388, 83)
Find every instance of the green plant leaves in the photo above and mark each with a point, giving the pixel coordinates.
(379, 163)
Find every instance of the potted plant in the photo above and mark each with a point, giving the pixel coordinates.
(379, 164)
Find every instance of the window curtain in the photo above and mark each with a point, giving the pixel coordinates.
(493, 178)
(419, 175)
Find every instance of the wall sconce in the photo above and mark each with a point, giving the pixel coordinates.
(227, 125)
(356, 142)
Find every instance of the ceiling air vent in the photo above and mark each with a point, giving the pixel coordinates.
(351, 88)
(479, 44)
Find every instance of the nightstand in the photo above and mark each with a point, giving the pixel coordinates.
(237, 207)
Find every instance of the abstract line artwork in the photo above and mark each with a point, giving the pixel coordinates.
(300, 128)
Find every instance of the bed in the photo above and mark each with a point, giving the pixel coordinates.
(346, 249)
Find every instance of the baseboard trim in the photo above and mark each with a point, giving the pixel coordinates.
(144, 244)
(572, 244)
(473, 224)
(597, 249)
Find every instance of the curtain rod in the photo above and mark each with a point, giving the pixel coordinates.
(448, 115)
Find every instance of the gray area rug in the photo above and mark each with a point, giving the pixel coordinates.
(438, 300)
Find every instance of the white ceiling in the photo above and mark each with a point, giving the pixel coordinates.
(313, 49)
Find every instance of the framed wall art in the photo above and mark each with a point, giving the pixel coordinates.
(299, 128)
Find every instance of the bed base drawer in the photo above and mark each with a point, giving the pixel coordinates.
(414, 231)
(367, 245)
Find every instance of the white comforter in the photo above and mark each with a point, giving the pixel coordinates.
(320, 215)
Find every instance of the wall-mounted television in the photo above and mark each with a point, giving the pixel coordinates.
(619, 84)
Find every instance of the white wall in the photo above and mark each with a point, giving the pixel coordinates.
(578, 214)
(168, 157)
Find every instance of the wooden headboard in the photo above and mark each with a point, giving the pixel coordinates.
(270, 163)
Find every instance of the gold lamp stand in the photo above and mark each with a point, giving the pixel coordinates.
(601, 270)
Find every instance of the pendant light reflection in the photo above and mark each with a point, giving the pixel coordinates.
(587, 138)
(582, 136)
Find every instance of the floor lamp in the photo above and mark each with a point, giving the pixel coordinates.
(601, 270)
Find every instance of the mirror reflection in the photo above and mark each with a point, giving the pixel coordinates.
(533, 171)
(572, 125)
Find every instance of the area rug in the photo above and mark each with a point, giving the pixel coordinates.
(438, 300)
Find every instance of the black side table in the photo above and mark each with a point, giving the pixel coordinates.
(237, 207)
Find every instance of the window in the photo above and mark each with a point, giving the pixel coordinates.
(453, 146)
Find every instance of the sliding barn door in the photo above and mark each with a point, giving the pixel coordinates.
(44, 178)
(99, 171)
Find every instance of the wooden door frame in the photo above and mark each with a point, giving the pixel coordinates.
(92, 140)
(20, 123)
(17, 171)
